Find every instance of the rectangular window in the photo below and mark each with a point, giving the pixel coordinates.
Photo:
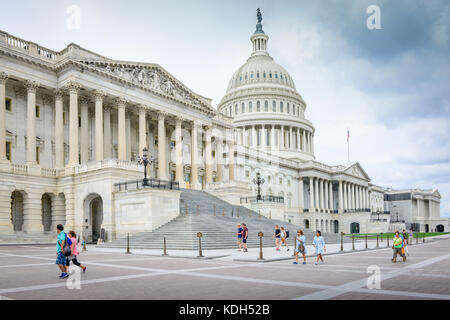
(38, 112)
(8, 150)
(8, 104)
(247, 174)
(79, 122)
(38, 155)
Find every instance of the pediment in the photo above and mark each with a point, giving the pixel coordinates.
(356, 170)
(151, 77)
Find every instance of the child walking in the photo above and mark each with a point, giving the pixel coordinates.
(300, 246)
(319, 244)
(74, 248)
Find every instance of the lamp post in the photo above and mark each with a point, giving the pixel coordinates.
(145, 161)
(259, 182)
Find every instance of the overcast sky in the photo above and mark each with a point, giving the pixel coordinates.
(389, 86)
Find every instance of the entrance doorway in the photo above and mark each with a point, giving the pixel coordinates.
(17, 210)
(93, 217)
(354, 227)
(440, 228)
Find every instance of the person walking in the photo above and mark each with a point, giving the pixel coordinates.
(300, 241)
(397, 246)
(319, 244)
(60, 257)
(75, 253)
(239, 235)
(283, 237)
(277, 235)
(244, 236)
(405, 242)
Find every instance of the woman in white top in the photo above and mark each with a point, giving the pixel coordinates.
(300, 241)
(319, 244)
(283, 238)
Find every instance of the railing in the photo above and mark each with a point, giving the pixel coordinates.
(263, 199)
(356, 210)
(28, 46)
(152, 183)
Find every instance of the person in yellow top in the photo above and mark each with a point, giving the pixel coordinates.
(397, 247)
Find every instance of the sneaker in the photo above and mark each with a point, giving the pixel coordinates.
(63, 275)
(295, 262)
(287, 250)
(304, 262)
(84, 269)
(316, 263)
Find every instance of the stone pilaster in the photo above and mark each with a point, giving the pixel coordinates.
(32, 212)
(219, 159)
(59, 130)
(73, 89)
(142, 130)
(208, 155)
(5, 210)
(179, 174)
(341, 198)
(99, 96)
(194, 156)
(107, 133)
(31, 122)
(84, 141)
(3, 78)
(162, 160)
(58, 211)
(301, 196)
(122, 132)
(311, 194)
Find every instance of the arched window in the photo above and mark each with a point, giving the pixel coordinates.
(258, 106)
(250, 106)
(288, 109)
(251, 76)
(276, 75)
(236, 109)
(274, 106)
(270, 75)
(281, 107)
(243, 108)
(264, 75)
(245, 76)
(257, 75)
(266, 106)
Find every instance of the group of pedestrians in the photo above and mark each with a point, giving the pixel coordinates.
(66, 251)
(300, 246)
(280, 236)
(242, 234)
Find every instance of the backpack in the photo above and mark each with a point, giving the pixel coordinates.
(66, 249)
(287, 234)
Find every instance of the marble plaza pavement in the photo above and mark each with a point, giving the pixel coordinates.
(29, 272)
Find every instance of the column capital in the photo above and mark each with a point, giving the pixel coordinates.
(179, 121)
(142, 109)
(121, 102)
(107, 108)
(59, 94)
(162, 115)
(3, 77)
(85, 100)
(73, 87)
(99, 95)
(31, 86)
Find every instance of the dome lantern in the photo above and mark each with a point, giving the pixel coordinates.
(259, 39)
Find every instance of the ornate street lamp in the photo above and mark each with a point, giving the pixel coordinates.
(259, 182)
(145, 160)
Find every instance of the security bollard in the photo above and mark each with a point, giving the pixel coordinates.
(417, 238)
(387, 240)
(128, 243)
(342, 241)
(382, 237)
(423, 237)
(353, 242)
(199, 236)
(260, 235)
(378, 245)
(165, 248)
(366, 241)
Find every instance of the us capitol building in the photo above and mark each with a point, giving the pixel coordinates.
(74, 123)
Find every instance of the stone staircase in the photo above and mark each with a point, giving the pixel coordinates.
(217, 220)
(28, 238)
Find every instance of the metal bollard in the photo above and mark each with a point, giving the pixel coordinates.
(417, 238)
(387, 240)
(128, 243)
(366, 241)
(342, 241)
(382, 237)
(165, 248)
(423, 237)
(353, 242)
(378, 245)
(199, 236)
(260, 235)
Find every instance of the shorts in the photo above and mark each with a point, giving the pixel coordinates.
(297, 249)
(283, 240)
(61, 259)
(244, 240)
(240, 239)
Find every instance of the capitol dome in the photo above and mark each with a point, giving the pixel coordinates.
(267, 111)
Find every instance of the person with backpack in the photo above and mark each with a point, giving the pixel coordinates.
(74, 250)
(300, 241)
(397, 247)
(319, 244)
(62, 250)
(244, 236)
(239, 235)
(284, 235)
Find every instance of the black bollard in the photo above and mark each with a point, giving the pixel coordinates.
(366, 241)
(260, 235)
(165, 248)
(387, 240)
(382, 237)
(378, 245)
(128, 243)
(353, 242)
(417, 238)
(199, 235)
(342, 241)
(423, 237)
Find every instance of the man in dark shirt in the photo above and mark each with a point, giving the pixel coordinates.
(244, 236)
(277, 236)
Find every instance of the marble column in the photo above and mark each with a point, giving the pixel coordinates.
(179, 174)
(162, 160)
(321, 197)
(122, 131)
(194, 155)
(282, 144)
(331, 196)
(345, 184)
(303, 141)
(341, 198)
(326, 205)
(3, 78)
(231, 161)
(31, 122)
(99, 96)
(84, 134)
(312, 143)
(208, 155)
(301, 196)
(142, 130)
(128, 116)
(107, 133)
(316, 195)
(272, 137)
(298, 139)
(219, 159)
(59, 130)
(311, 194)
(32, 214)
(254, 138)
(73, 124)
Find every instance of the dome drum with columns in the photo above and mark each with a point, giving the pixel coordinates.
(267, 111)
